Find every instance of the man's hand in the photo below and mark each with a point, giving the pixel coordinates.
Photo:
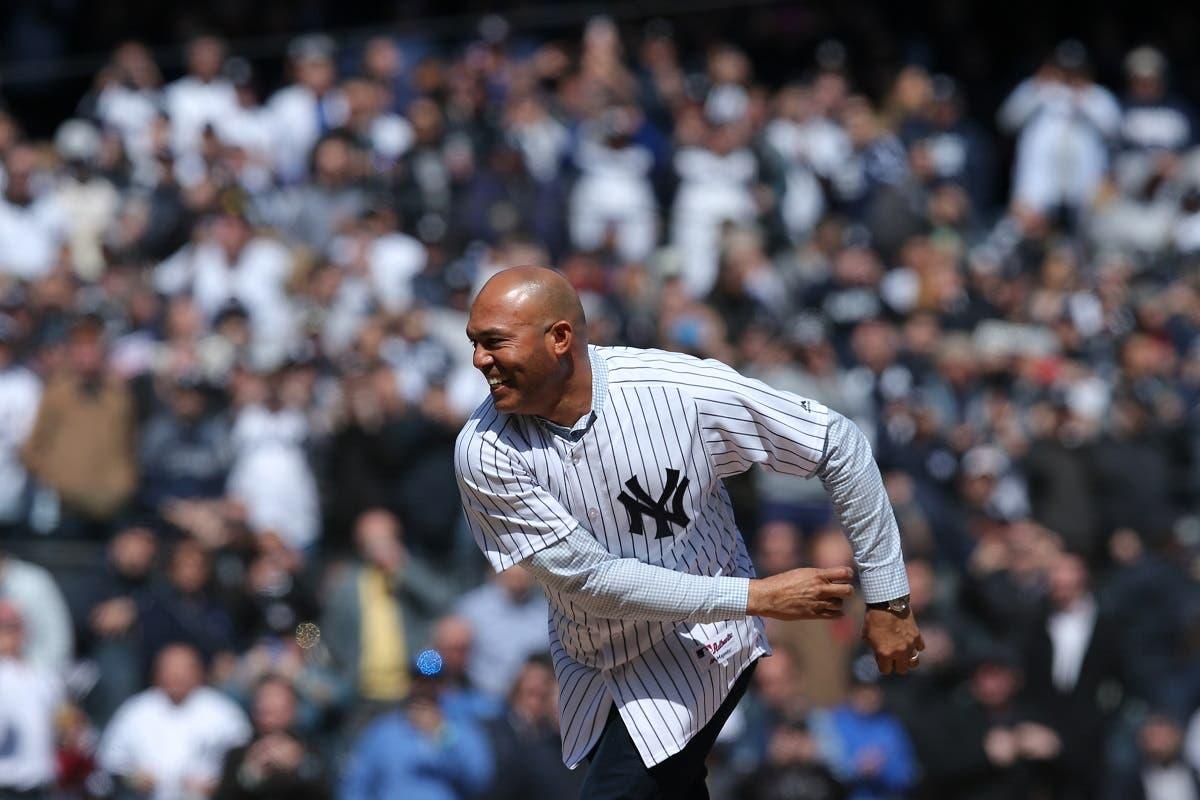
(895, 640)
(800, 594)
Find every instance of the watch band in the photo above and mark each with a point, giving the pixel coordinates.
(897, 605)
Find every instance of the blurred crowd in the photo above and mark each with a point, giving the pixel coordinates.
(233, 364)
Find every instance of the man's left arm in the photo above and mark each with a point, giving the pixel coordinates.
(850, 476)
(746, 422)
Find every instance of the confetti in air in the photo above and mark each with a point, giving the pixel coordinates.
(429, 662)
(307, 634)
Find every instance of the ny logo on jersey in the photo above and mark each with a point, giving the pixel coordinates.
(642, 505)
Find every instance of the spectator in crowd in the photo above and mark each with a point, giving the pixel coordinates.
(525, 740)
(276, 763)
(31, 227)
(334, 198)
(1065, 121)
(422, 750)
(867, 747)
(30, 697)
(1074, 672)
(958, 148)
(613, 203)
(380, 612)
(1141, 574)
(85, 201)
(20, 393)
(48, 637)
(793, 769)
(824, 649)
(717, 175)
(1154, 121)
(184, 608)
(82, 443)
(306, 108)
(507, 616)
(454, 640)
(779, 698)
(168, 741)
(112, 632)
(1163, 773)
(199, 99)
(271, 479)
(184, 449)
(994, 744)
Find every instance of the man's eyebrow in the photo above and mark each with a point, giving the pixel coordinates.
(485, 332)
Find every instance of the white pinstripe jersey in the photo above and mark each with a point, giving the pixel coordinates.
(645, 481)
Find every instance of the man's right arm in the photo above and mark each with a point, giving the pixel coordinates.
(605, 585)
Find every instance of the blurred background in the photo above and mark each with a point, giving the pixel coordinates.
(237, 246)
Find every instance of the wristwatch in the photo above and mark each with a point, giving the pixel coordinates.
(897, 606)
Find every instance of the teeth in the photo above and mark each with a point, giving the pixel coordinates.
(494, 381)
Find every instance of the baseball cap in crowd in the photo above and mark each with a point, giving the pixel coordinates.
(1145, 62)
(1071, 55)
(232, 309)
(984, 460)
(77, 140)
(312, 47)
(239, 71)
(726, 104)
(831, 56)
(494, 29)
(945, 88)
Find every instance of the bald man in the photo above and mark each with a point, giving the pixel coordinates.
(600, 470)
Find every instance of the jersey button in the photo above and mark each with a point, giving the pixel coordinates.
(575, 457)
(593, 513)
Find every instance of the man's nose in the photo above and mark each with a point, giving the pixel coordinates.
(481, 358)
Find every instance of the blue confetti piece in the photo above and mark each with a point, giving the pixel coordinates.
(429, 662)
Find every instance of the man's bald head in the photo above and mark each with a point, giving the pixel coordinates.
(539, 295)
(530, 338)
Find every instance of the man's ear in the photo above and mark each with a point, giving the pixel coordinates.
(562, 337)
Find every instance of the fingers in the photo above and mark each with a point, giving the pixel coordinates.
(919, 644)
(830, 591)
(830, 608)
(837, 574)
(884, 664)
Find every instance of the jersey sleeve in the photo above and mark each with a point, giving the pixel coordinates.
(509, 514)
(745, 422)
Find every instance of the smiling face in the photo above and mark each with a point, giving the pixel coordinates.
(520, 345)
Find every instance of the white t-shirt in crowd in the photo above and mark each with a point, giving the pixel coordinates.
(20, 393)
(29, 697)
(174, 743)
(271, 475)
(192, 104)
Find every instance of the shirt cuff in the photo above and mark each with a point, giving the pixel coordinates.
(884, 583)
(730, 598)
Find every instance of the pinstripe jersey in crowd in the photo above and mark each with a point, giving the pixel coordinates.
(642, 474)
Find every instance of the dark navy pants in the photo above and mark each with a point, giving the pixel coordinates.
(616, 772)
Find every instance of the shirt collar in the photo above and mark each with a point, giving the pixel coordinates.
(599, 397)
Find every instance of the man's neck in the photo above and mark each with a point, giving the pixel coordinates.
(576, 399)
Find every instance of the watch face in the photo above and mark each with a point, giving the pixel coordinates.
(898, 606)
